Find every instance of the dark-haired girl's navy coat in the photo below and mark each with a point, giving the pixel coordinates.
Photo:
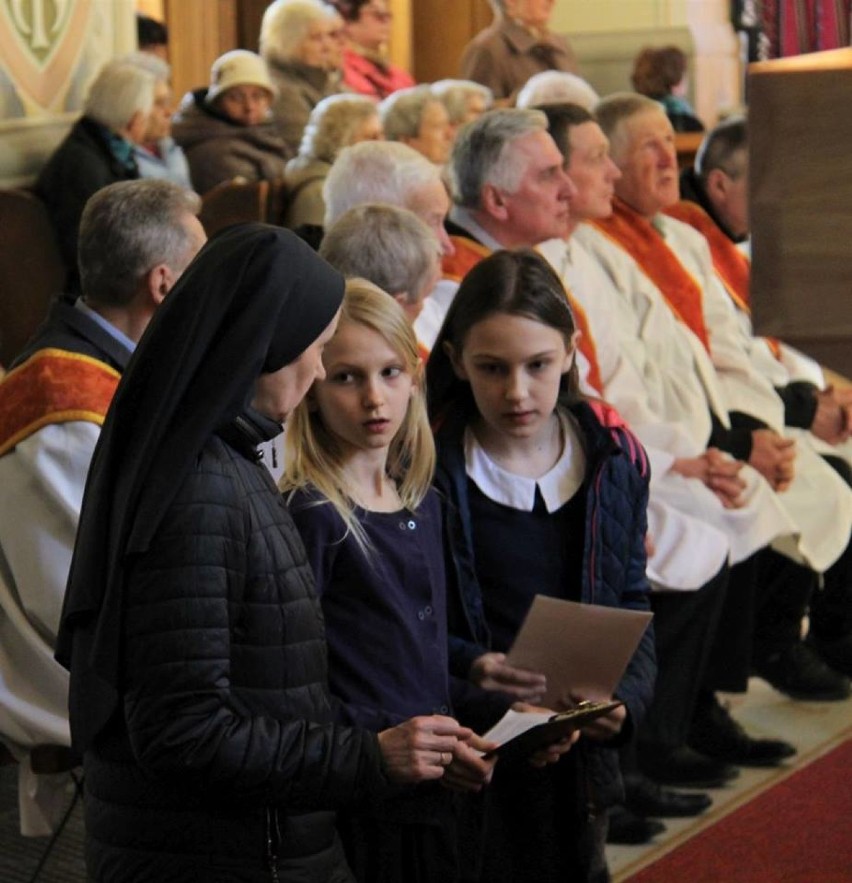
(613, 567)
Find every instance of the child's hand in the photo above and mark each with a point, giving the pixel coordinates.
(491, 672)
(421, 748)
(601, 728)
(553, 752)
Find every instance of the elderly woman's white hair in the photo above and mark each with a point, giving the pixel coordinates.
(375, 171)
(120, 90)
(155, 65)
(557, 87)
(455, 94)
(402, 111)
(285, 26)
(332, 124)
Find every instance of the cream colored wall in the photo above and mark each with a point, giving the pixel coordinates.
(596, 16)
(607, 33)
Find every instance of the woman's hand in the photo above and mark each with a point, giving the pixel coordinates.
(491, 672)
(421, 748)
(469, 770)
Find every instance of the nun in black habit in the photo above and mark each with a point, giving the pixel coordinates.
(191, 628)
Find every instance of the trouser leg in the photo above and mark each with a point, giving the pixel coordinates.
(685, 626)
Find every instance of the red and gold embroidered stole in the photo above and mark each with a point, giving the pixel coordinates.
(53, 386)
(638, 237)
(469, 253)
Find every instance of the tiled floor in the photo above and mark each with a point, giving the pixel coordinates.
(814, 727)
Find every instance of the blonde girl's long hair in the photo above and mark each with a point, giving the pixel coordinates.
(314, 456)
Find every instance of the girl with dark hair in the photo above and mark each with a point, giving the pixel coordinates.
(191, 627)
(545, 494)
(659, 72)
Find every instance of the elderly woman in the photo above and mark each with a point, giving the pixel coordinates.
(366, 70)
(298, 43)
(158, 155)
(416, 117)
(464, 100)
(225, 130)
(191, 626)
(557, 87)
(335, 123)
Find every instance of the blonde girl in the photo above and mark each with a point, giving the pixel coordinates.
(360, 462)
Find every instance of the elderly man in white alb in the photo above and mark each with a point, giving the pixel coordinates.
(747, 415)
(136, 238)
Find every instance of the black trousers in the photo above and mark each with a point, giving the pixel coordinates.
(685, 628)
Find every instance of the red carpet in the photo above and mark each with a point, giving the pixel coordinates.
(799, 831)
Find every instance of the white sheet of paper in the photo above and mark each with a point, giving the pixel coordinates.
(582, 649)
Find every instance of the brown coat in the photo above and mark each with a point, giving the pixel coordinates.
(218, 150)
(300, 90)
(505, 55)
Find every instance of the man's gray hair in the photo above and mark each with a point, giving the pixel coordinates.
(285, 25)
(388, 245)
(615, 110)
(455, 95)
(556, 87)
(482, 153)
(333, 123)
(126, 230)
(402, 111)
(120, 90)
(375, 171)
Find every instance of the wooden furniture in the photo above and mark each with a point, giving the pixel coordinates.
(238, 202)
(32, 272)
(800, 204)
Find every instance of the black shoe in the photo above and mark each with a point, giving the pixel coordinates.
(628, 829)
(835, 652)
(647, 798)
(685, 768)
(800, 673)
(716, 734)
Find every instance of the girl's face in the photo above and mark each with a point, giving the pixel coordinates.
(364, 397)
(514, 366)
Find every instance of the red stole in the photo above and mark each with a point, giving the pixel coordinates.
(638, 237)
(469, 253)
(53, 386)
(731, 265)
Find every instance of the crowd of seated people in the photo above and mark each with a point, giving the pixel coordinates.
(514, 265)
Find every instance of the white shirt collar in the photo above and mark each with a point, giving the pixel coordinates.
(557, 486)
(467, 221)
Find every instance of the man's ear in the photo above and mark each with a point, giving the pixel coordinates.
(716, 186)
(159, 282)
(494, 203)
(455, 361)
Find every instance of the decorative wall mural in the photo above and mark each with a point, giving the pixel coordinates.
(40, 43)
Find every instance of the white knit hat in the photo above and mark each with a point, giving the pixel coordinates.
(239, 67)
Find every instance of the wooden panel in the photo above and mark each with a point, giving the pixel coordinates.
(199, 32)
(800, 178)
(440, 29)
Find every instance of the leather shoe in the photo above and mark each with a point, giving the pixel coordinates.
(685, 767)
(628, 829)
(647, 798)
(800, 673)
(716, 734)
(835, 652)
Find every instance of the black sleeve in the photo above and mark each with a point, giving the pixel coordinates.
(800, 403)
